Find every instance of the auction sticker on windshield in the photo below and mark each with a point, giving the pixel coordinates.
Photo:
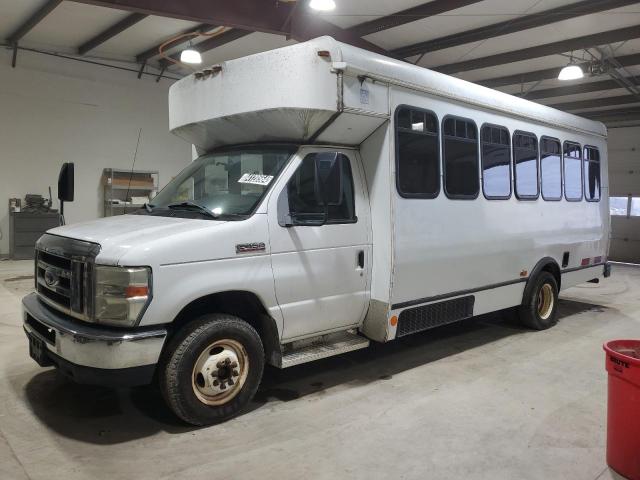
(256, 179)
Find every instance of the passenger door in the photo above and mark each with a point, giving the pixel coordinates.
(319, 229)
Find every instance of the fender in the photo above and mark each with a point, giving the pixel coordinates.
(546, 264)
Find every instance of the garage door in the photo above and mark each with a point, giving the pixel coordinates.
(624, 191)
(625, 229)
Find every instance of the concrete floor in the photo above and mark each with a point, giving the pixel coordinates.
(483, 399)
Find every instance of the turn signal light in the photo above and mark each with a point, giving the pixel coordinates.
(134, 291)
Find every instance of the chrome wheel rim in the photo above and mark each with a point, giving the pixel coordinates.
(220, 372)
(545, 301)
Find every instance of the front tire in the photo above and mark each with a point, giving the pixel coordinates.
(212, 369)
(539, 309)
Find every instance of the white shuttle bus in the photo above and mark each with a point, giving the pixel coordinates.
(340, 197)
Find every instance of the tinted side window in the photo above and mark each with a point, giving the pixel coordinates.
(460, 151)
(496, 162)
(417, 156)
(591, 174)
(551, 168)
(572, 172)
(525, 158)
(323, 180)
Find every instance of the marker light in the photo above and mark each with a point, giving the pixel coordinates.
(571, 72)
(190, 56)
(322, 5)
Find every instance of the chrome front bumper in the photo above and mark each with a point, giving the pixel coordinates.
(91, 346)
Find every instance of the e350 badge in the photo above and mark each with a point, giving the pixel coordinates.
(250, 247)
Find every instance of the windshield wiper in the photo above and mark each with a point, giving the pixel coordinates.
(188, 204)
(148, 207)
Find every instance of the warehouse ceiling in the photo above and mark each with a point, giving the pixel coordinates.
(517, 46)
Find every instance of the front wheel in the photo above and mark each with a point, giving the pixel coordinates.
(539, 309)
(212, 369)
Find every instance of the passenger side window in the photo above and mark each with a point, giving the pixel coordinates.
(550, 168)
(417, 156)
(572, 172)
(496, 162)
(321, 190)
(525, 158)
(460, 151)
(591, 174)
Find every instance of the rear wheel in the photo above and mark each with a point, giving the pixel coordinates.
(539, 309)
(212, 369)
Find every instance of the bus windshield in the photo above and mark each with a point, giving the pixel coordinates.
(225, 185)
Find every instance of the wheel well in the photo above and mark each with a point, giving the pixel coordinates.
(553, 269)
(546, 264)
(242, 304)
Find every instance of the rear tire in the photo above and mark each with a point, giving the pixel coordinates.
(539, 309)
(211, 369)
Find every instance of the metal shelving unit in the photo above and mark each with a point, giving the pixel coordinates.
(116, 183)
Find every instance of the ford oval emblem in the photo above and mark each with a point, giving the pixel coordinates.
(51, 277)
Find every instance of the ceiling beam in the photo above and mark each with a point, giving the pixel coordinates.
(256, 15)
(409, 15)
(614, 115)
(154, 51)
(304, 25)
(576, 89)
(548, 73)
(597, 102)
(519, 24)
(210, 44)
(281, 18)
(32, 21)
(112, 31)
(547, 49)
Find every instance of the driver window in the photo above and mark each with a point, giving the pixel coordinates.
(323, 181)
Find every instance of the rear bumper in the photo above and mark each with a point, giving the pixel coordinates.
(93, 354)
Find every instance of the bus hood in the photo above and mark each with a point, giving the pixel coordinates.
(133, 235)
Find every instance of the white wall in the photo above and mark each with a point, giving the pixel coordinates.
(54, 110)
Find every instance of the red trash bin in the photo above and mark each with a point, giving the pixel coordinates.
(623, 417)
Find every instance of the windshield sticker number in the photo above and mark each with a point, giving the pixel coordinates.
(256, 179)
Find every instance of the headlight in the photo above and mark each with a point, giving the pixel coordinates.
(122, 293)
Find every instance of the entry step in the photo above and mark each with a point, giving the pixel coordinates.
(321, 347)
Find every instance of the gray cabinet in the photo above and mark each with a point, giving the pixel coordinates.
(25, 228)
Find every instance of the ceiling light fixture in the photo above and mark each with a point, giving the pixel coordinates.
(571, 72)
(189, 55)
(322, 5)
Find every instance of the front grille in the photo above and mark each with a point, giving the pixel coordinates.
(64, 278)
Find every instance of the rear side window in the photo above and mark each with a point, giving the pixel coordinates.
(591, 174)
(460, 152)
(572, 172)
(551, 168)
(525, 158)
(496, 162)
(417, 155)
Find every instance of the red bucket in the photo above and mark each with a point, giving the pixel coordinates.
(623, 417)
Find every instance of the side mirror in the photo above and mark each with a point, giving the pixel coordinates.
(65, 185)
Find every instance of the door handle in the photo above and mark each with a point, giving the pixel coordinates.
(361, 259)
